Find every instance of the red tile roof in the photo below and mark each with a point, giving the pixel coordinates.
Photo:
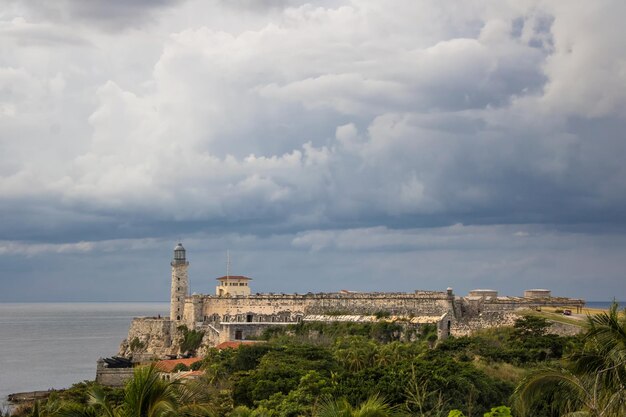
(170, 364)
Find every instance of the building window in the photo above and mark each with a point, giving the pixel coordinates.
(238, 335)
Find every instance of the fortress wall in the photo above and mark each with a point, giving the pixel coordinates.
(193, 310)
(419, 303)
(394, 304)
(473, 306)
(486, 320)
(489, 319)
(508, 304)
(112, 377)
(258, 305)
(154, 334)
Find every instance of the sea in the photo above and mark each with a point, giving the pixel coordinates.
(54, 345)
(605, 304)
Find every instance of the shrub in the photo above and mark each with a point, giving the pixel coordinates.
(192, 339)
(382, 314)
(181, 367)
(136, 344)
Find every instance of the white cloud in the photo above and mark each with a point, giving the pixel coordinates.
(588, 63)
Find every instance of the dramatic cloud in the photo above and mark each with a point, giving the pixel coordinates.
(318, 126)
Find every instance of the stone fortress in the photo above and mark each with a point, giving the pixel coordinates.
(235, 313)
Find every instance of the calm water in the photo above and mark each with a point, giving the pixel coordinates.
(605, 304)
(53, 345)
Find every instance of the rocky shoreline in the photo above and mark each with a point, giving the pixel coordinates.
(29, 396)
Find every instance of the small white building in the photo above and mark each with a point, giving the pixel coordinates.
(233, 285)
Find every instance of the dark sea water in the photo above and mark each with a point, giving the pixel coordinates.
(605, 304)
(53, 345)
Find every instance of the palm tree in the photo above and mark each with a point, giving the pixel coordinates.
(355, 352)
(605, 348)
(145, 395)
(592, 382)
(570, 394)
(374, 406)
(51, 408)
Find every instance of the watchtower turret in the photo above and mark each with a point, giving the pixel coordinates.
(180, 283)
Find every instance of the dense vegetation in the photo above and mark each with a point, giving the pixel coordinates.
(373, 370)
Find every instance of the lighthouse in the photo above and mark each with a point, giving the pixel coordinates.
(180, 283)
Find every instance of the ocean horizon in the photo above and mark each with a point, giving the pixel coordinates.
(54, 345)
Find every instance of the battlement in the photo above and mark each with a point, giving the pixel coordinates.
(439, 295)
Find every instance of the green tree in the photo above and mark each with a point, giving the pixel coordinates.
(530, 326)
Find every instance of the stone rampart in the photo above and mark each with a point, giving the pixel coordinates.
(468, 325)
(516, 303)
(112, 377)
(291, 307)
(148, 337)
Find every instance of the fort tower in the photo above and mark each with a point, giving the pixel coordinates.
(180, 283)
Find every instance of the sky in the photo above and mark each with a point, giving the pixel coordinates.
(361, 145)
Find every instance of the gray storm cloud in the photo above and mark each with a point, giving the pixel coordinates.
(153, 120)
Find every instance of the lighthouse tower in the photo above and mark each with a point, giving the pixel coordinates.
(180, 283)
